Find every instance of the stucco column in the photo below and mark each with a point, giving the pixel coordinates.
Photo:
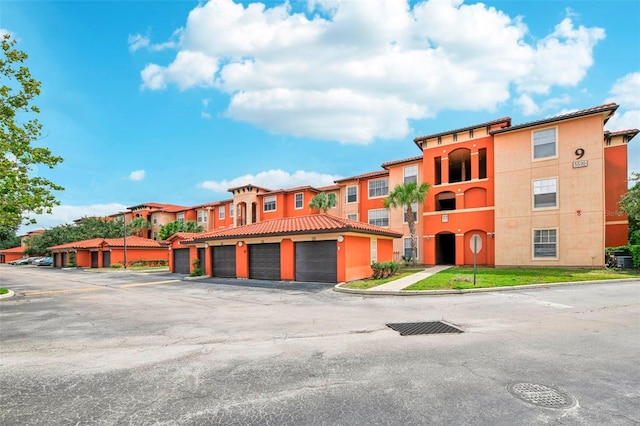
(444, 169)
(475, 165)
(460, 249)
(242, 260)
(287, 260)
(208, 264)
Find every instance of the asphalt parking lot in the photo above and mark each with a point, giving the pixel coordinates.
(131, 348)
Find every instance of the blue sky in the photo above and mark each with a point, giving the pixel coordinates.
(175, 101)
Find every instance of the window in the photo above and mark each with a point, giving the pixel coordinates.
(232, 210)
(482, 163)
(352, 194)
(411, 174)
(352, 216)
(299, 200)
(407, 249)
(378, 187)
(379, 217)
(437, 169)
(269, 203)
(545, 243)
(414, 212)
(544, 143)
(202, 216)
(544, 193)
(221, 212)
(374, 250)
(155, 219)
(180, 217)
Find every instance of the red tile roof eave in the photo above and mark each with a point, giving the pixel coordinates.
(569, 116)
(365, 176)
(392, 234)
(12, 250)
(417, 140)
(403, 161)
(627, 132)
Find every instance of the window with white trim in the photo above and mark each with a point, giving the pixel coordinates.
(299, 200)
(414, 213)
(545, 243)
(379, 217)
(544, 143)
(221, 212)
(411, 174)
(408, 253)
(269, 203)
(202, 216)
(352, 216)
(374, 250)
(378, 187)
(232, 210)
(154, 218)
(545, 193)
(180, 217)
(352, 194)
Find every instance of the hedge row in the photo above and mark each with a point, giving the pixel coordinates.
(384, 269)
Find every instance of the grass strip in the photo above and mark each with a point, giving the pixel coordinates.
(365, 284)
(460, 278)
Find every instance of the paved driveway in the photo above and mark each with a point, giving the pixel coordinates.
(86, 348)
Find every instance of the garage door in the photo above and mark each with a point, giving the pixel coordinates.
(264, 261)
(224, 261)
(181, 261)
(94, 259)
(317, 261)
(106, 259)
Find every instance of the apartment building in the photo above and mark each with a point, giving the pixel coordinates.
(543, 193)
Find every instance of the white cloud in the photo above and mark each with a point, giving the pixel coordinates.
(527, 104)
(64, 214)
(626, 91)
(205, 115)
(356, 71)
(272, 179)
(137, 175)
(139, 41)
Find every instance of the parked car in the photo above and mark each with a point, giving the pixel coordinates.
(36, 260)
(45, 261)
(23, 261)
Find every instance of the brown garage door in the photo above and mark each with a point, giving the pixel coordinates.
(181, 261)
(106, 259)
(94, 259)
(264, 261)
(224, 261)
(317, 261)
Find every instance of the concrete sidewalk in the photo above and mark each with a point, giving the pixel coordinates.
(405, 282)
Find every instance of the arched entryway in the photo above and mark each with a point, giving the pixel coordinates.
(446, 248)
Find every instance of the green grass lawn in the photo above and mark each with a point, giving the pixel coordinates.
(460, 278)
(365, 284)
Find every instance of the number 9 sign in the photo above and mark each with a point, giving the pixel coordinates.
(579, 153)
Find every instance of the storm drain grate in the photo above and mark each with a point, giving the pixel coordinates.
(433, 327)
(541, 395)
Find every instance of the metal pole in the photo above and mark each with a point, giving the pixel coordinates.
(124, 239)
(475, 251)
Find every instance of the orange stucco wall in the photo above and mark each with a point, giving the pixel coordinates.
(357, 262)
(385, 250)
(133, 254)
(242, 261)
(615, 170)
(287, 260)
(9, 257)
(83, 258)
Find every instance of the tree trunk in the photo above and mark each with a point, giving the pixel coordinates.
(412, 232)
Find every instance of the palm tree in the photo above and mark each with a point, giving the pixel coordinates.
(137, 226)
(403, 195)
(323, 202)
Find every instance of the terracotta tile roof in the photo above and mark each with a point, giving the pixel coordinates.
(609, 108)
(82, 244)
(506, 120)
(183, 235)
(365, 176)
(171, 208)
(310, 224)
(134, 241)
(250, 186)
(95, 243)
(405, 160)
(630, 133)
(328, 188)
(13, 250)
(294, 189)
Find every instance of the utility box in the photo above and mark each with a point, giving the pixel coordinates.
(624, 262)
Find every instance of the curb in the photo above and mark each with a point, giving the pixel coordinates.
(7, 295)
(339, 289)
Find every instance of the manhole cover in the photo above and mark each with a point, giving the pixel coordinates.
(434, 327)
(541, 395)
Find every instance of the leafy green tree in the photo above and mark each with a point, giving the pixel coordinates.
(21, 193)
(137, 226)
(86, 229)
(323, 202)
(403, 195)
(8, 239)
(630, 204)
(178, 226)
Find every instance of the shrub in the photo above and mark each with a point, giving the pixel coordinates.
(197, 270)
(116, 265)
(384, 269)
(72, 260)
(635, 254)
